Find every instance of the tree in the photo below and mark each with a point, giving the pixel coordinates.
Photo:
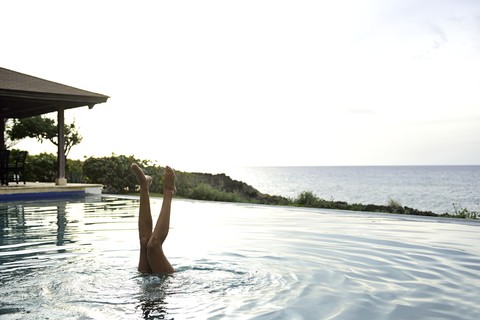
(43, 128)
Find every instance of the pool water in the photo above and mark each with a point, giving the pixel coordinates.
(77, 259)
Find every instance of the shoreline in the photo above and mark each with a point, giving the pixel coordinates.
(114, 174)
(307, 199)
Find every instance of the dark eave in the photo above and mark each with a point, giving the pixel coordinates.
(25, 96)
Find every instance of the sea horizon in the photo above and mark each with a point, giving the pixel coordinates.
(433, 188)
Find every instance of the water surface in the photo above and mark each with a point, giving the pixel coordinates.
(235, 261)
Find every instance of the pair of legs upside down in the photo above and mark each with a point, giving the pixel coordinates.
(152, 258)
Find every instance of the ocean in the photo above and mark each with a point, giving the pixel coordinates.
(428, 188)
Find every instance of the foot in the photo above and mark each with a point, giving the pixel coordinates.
(169, 181)
(144, 180)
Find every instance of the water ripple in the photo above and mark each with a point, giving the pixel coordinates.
(78, 260)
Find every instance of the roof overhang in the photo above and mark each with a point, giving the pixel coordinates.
(25, 96)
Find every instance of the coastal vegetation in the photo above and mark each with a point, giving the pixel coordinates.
(463, 213)
(114, 174)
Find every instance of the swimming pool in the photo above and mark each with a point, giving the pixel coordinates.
(77, 259)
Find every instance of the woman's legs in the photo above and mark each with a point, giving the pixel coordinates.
(158, 262)
(144, 217)
(152, 258)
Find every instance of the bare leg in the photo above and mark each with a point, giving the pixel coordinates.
(144, 217)
(156, 257)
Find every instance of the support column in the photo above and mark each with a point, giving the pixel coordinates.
(61, 180)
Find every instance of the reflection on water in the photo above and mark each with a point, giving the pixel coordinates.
(153, 290)
(77, 259)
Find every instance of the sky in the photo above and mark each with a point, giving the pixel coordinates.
(206, 85)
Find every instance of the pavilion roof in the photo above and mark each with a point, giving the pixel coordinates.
(22, 95)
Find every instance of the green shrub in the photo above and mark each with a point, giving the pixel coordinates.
(307, 199)
(204, 191)
(112, 172)
(156, 173)
(394, 204)
(74, 171)
(464, 213)
(41, 167)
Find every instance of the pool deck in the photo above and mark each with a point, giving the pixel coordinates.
(44, 190)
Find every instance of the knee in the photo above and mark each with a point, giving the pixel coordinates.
(153, 244)
(144, 242)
